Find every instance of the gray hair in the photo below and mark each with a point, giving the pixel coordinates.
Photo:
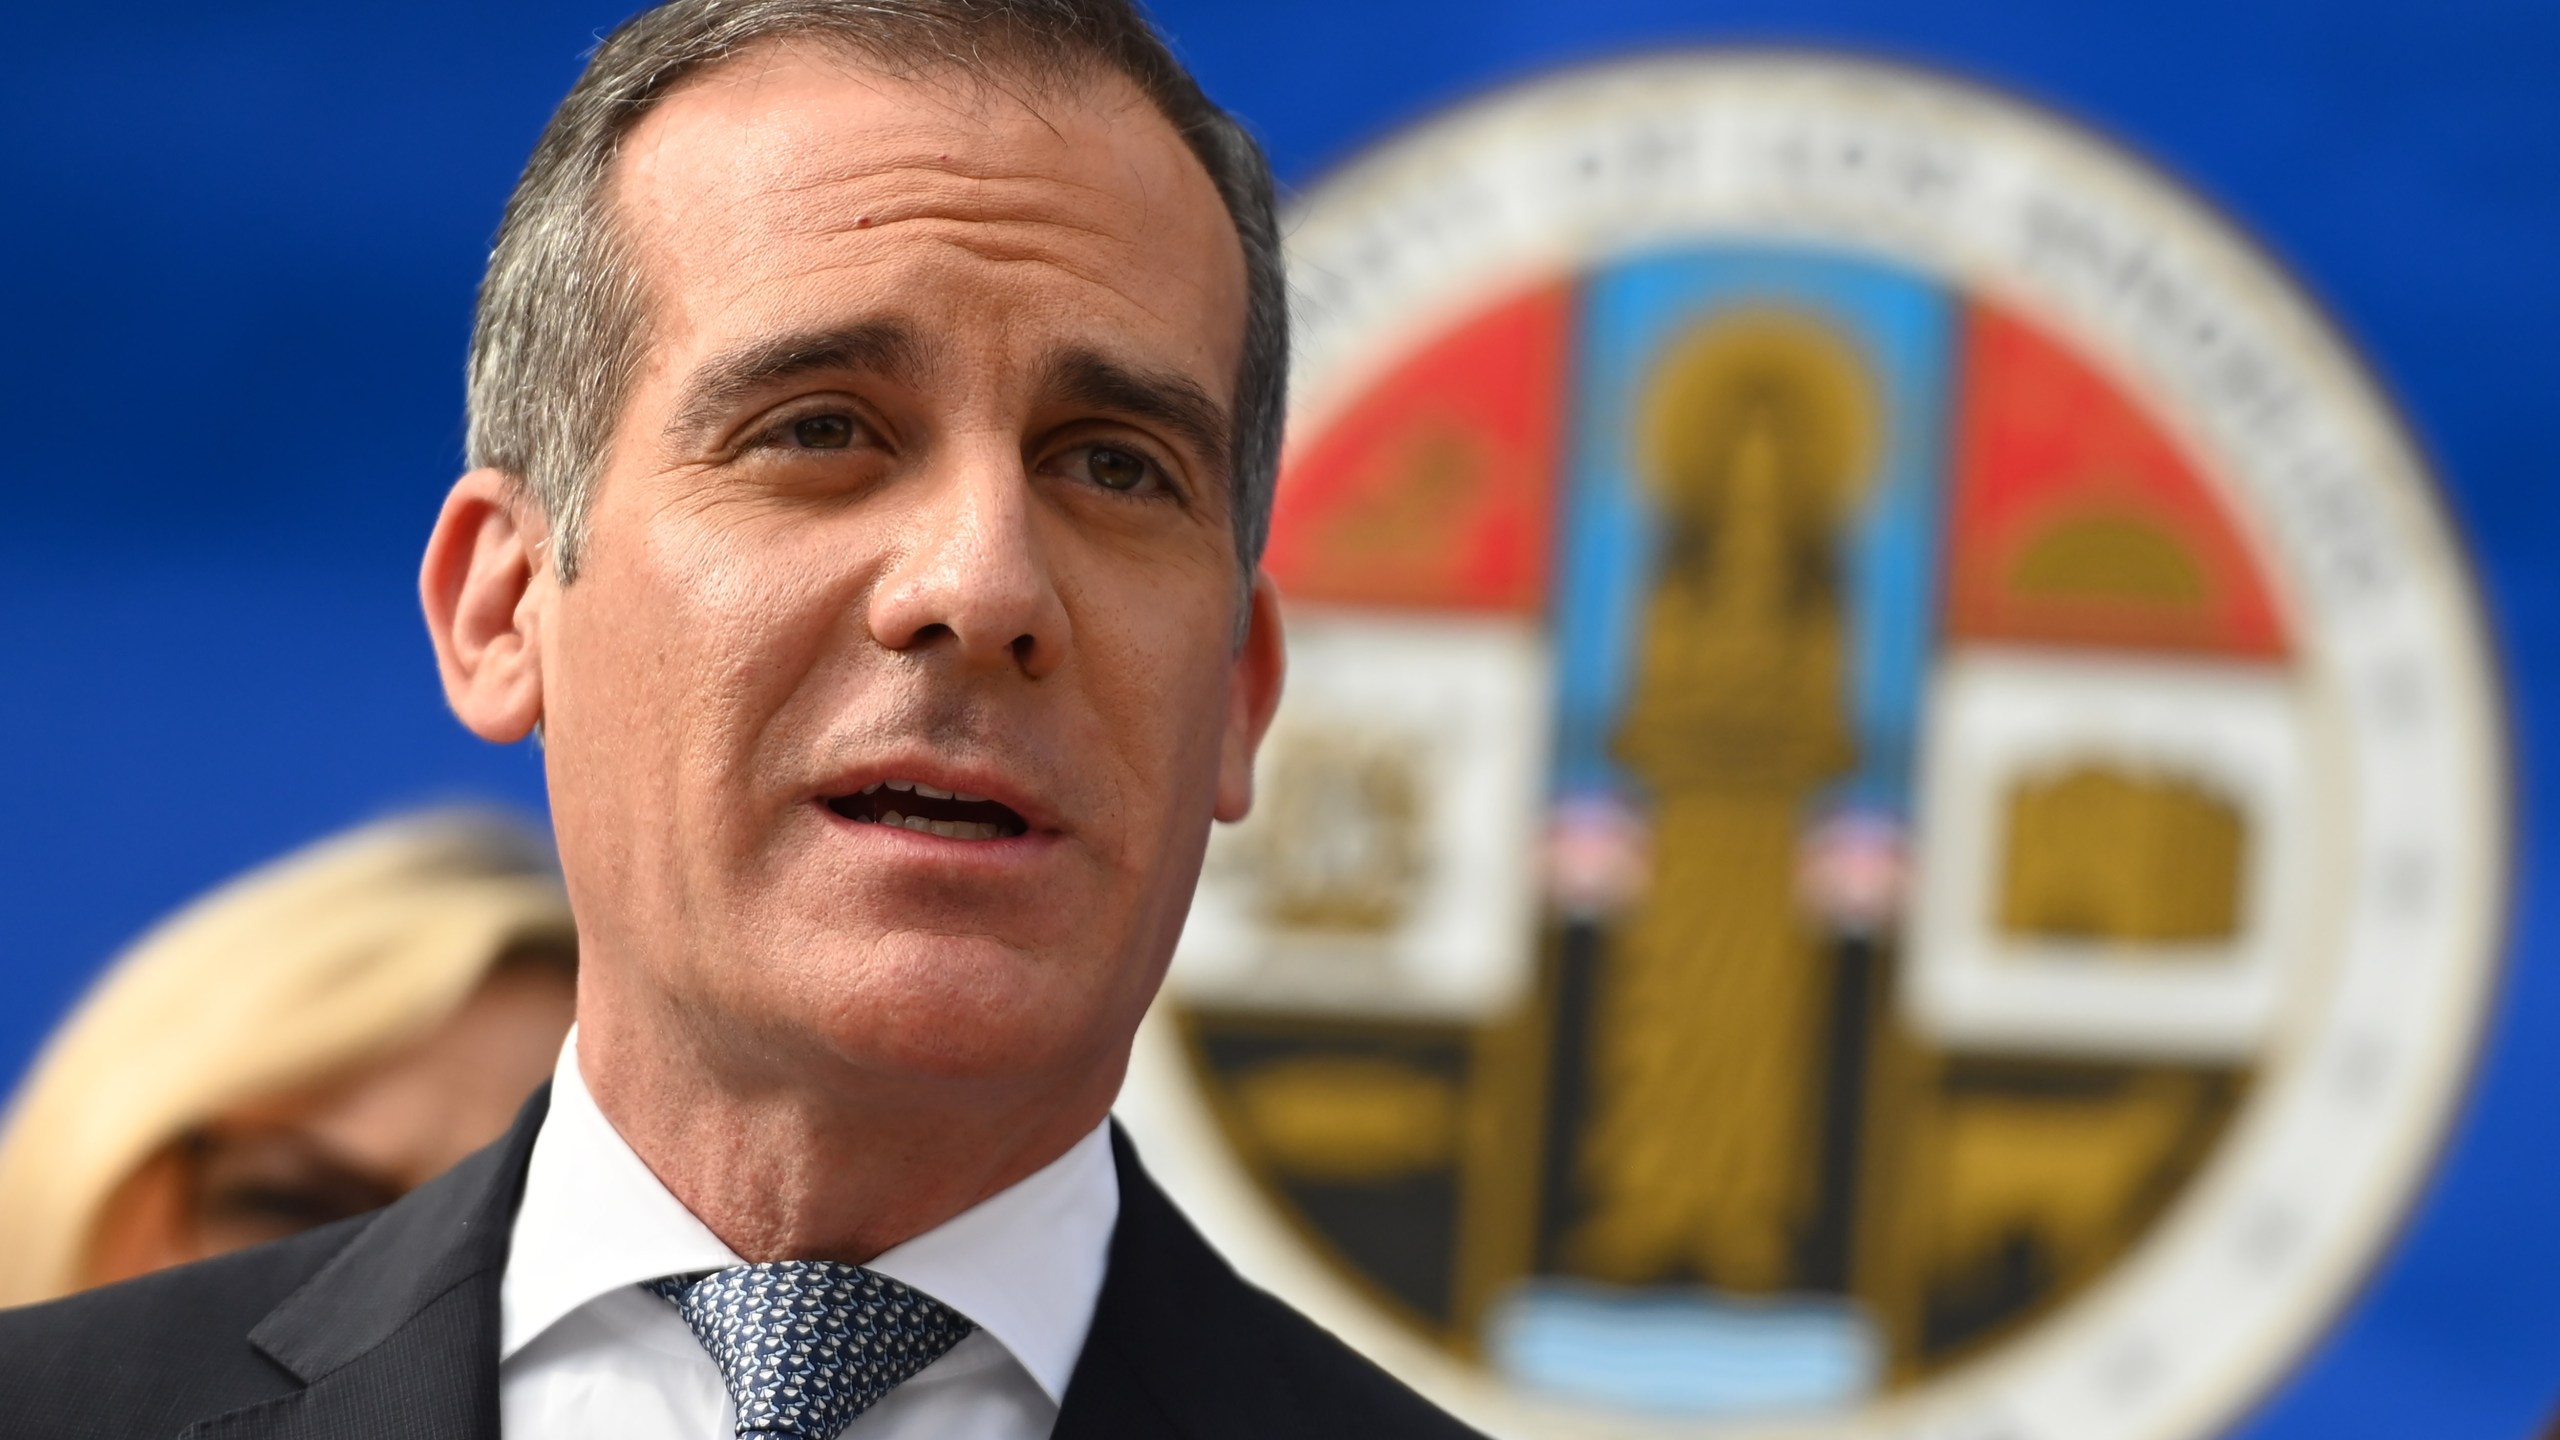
(562, 323)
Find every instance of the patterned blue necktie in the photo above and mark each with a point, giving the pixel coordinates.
(806, 1345)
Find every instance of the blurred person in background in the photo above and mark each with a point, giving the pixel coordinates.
(306, 1043)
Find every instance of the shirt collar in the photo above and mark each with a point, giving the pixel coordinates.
(1026, 1263)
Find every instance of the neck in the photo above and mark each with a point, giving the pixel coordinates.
(816, 1158)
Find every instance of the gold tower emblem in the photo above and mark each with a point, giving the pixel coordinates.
(1711, 1007)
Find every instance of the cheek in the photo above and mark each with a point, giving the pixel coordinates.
(677, 652)
(1161, 677)
(684, 648)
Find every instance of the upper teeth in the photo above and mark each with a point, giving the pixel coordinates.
(927, 791)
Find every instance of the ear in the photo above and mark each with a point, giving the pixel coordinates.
(1253, 695)
(485, 588)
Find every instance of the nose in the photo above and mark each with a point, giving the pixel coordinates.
(974, 581)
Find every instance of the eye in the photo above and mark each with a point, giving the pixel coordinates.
(822, 432)
(1115, 468)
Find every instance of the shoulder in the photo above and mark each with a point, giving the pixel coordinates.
(1220, 1356)
(152, 1355)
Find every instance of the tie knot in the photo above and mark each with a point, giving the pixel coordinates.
(807, 1345)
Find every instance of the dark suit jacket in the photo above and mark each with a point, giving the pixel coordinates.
(387, 1325)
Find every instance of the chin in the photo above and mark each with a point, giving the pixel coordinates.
(968, 1007)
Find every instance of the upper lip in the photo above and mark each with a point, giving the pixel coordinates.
(975, 782)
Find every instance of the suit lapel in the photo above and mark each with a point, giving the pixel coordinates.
(1173, 1350)
(398, 1333)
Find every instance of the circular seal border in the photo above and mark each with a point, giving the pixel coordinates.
(2001, 199)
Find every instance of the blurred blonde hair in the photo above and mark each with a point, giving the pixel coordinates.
(309, 966)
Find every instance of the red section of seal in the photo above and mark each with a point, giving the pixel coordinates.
(1436, 488)
(2078, 522)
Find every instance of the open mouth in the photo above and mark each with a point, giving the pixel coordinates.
(913, 805)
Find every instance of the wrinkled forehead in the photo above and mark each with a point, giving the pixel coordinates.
(799, 165)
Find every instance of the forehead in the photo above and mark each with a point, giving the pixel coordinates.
(797, 184)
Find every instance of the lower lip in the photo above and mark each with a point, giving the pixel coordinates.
(897, 843)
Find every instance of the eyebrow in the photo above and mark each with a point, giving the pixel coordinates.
(879, 347)
(1084, 378)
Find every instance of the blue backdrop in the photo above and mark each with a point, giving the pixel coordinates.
(235, 280)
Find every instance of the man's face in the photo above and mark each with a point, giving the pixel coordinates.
(898, 685)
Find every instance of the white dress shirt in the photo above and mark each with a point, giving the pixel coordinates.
(585, 1354)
